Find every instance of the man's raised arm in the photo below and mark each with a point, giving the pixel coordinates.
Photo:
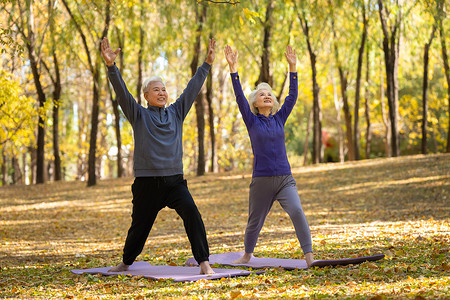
(125, 99)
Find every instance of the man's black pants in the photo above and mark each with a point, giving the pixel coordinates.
(150, 195)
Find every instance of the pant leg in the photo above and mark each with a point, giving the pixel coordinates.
(147, 202)
(180, 199)
(290, 201)
(261, 198)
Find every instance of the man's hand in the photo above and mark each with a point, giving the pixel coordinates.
(211, 51)
(232, 58)
(291, 59)
(108, 55)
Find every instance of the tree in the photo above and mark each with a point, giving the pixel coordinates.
(343, 76)
(391, 23)
(140, 51)
(445, 62)
(199, 106)
(17, 119)
(317, 115)
(366, 105)
(25, 25)
(94, 68)
(426, 57)
(209, 100)
(265, 74)
(356, 137)
(56, 81)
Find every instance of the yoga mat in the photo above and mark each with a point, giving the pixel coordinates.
(178, 274)
(289, 264)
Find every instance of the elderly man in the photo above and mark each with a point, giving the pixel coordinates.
(158, 165)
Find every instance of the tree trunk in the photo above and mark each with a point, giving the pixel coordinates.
(56, 104)
(317, 115)
(24, 168)
(366, 106)
(33, 60)
(317, 128)
(447, 75)
(343, 75)
(16, 175)
(222, 94)
(56, 81)
(386, 120)
(115, 104)
(265, 74)
(357, 137)
(391, 44)
(95, 72)
(209, 99)
(32, 151)
(308, 129)
(199, 106)
(338, 106)
(140, 55)
(92, 176)
(4, 168)
(426, 57)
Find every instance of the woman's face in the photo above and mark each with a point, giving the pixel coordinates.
(263, 99)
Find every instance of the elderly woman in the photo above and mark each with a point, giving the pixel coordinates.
(158, 165)
(272, 179)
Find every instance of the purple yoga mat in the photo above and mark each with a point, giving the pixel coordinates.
(289, 264)
(178, 274)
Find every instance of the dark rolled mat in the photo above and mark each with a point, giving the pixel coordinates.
(289, 264)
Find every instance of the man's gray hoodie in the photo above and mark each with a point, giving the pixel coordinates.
(158, 131)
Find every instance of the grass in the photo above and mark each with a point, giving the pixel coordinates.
(397, 206)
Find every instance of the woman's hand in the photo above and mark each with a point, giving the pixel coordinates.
(211, 51)
(291, 59)
(232, 58)
(108, 55)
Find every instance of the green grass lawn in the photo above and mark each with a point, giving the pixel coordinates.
(399, 207)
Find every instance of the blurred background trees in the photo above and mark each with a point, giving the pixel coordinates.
(373, 80)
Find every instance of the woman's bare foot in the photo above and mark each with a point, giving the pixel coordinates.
(205, 268)
(243, 260)
(309, 257)
(119, 268)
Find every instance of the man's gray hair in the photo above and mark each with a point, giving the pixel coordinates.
(146, 84)
(252, 98)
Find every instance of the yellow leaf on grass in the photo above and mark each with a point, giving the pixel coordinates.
(372, 265)
(389, 254)
(235, 294)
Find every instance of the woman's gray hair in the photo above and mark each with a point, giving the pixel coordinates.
(252, 98)
(146, 84)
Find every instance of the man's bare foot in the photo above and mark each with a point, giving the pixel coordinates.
(119, 268)
(243, 260)
(309, 257)
(205, 268)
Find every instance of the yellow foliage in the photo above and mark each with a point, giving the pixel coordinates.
(17, 114)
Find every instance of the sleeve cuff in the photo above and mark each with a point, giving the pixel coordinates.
(234, 76)
(112, 68)
(206, 65)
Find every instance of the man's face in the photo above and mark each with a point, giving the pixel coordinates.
(156, 94)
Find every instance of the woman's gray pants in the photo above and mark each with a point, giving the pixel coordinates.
(263, 192)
